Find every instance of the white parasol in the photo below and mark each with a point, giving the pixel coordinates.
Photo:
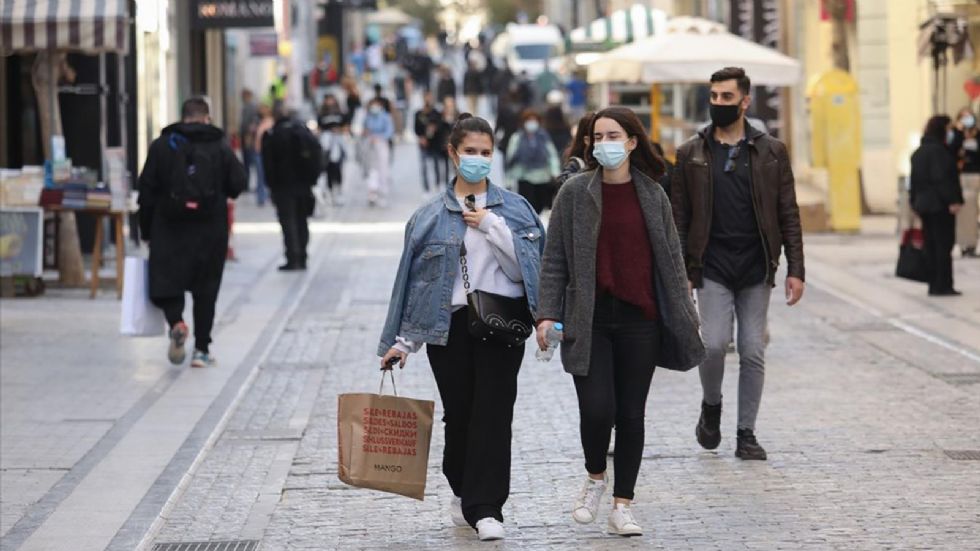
(690, 50)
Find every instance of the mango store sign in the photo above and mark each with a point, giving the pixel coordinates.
(224, 14)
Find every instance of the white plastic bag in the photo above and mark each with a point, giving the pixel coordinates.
(140, 318)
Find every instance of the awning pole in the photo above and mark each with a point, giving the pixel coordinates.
(103, 118)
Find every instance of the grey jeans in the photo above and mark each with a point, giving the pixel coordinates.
(717, 304)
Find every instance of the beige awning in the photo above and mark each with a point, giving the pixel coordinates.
(91, 26)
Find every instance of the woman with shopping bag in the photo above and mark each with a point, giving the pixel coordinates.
(467, 287)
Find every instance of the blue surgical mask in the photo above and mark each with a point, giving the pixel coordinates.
(474, 168)
(609, 154)
(532, 126)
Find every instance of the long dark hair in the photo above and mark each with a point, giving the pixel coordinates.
(467, 123)
(577, 147)
(644, 158)
(936, 128)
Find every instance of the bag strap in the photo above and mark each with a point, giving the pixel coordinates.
(462, 267)
(394, 389)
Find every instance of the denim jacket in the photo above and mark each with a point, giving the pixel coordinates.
(420, 308)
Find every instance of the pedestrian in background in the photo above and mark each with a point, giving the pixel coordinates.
(446, 87)
(332, 141)
(532, 162)
(556, 123)
(936, 197)
(574, 157)
(621, 293)
(473, 86)
(292, 158)
(247, 123)
(353, 98)
(189, 175)
(379, 130)
(330, 108)
(966, 137)
(735, 208)
(428, 121)
(266, 122)
(477, 378)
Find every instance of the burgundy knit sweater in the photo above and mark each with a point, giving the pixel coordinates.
(624, 257)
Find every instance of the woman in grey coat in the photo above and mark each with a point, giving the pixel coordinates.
(612, 273)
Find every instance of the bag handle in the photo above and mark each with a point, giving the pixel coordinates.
(389, 369)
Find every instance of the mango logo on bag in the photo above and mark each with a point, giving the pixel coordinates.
(388, 468)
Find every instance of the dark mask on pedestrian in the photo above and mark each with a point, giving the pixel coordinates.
(723, 116)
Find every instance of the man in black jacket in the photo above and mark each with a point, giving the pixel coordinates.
(190, 173)
(734, 202)
(292, 159)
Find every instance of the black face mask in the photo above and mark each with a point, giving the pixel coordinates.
(723, 116)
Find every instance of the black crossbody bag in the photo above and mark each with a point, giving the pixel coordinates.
(506, 320)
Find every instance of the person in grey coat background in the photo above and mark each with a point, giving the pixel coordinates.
(613, 274)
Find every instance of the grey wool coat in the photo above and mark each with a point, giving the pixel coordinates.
(568, 273)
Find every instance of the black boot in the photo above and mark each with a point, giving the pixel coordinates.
(747, 447)
(708, 430)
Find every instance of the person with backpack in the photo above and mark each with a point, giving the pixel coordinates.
(189, 175)
(292, 158)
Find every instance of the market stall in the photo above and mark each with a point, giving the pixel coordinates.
(45, 31)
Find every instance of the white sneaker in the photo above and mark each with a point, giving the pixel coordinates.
(456, 512)
(622, 523)
(587, 505)
(489, 529)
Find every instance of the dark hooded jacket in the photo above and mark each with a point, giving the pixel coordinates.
(187, 255)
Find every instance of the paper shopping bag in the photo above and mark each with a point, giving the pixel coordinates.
(140, 318)
(383, 442)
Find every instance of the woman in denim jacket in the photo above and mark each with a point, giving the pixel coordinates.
(477, 379)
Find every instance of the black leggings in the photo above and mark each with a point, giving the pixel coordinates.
(624, 349)
(477, 382)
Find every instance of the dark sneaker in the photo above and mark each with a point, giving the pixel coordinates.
(202, 359)
(178, 336)
(291, 267)
(708, 430)
(747, 447)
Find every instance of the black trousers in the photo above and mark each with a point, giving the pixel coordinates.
(539, 195)
(939, 232)
(293, 212)
(477, 382)
(624, 352)
(335, 175)
(204, 303)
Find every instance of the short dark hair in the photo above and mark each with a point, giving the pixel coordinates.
(936, 127)
(529, 114)
(734, 73)
(194, 108)
(467, 124)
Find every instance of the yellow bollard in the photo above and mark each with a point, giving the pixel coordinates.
(835, 126)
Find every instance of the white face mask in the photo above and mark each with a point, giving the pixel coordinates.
(532, 125)
(375, 109)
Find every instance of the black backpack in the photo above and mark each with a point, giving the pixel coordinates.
(194, 181)
(309, 154)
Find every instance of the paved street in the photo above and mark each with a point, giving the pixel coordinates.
(871, 392)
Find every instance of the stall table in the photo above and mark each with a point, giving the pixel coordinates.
(117, 217)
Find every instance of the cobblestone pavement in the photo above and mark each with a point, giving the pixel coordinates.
(860, 409)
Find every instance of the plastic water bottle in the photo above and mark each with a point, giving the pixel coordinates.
(553, 337)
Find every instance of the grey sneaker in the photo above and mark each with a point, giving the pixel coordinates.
(202, 359)
(178, 336)
(587, 504)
